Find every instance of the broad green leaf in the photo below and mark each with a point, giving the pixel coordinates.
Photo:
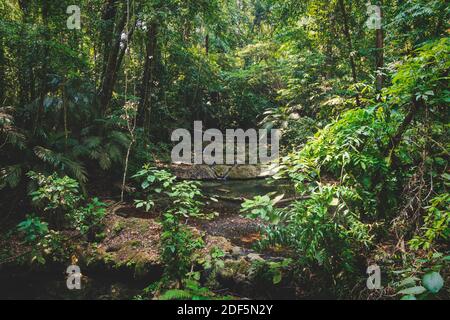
(413, 290)
(408, 282)
(277, 278)
(433, 282)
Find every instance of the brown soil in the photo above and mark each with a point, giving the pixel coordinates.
(240, 231)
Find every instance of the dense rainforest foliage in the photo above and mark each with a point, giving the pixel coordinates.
(86, 116)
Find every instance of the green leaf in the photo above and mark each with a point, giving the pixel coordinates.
(409, 297)
(277, 278)
(413, 290)
(139, 205)
(334, 202)
(433, 282)
(411, 281)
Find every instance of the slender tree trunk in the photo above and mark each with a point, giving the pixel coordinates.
(190, 109)
(147, 86)
(187, 31)
(26, 84)
(329, 60)
(43, 87)
(2, 71)
(380, 54)
(397, 138)
(115, 59)
(65, 104)
(348, 37)
(107, 33)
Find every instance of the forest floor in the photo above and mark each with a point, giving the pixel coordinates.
(130, 242)
(131, 233)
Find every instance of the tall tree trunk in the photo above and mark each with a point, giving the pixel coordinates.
(115, 59)
(207, 44)
(380, 53)
(43, 73)
(348, 37)
(2, 70)
(26, 84)
(147, 86)
(107, 33)
(187, 94)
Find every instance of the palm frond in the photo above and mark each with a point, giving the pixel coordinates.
(11, 133)
(115, 154)
(16, 138)
(92, 142)
(58, 160)
(104, 160)
(120, 138)
(10, 176)
(77, 170)
(48, 156)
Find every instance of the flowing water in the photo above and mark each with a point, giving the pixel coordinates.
(245, 188)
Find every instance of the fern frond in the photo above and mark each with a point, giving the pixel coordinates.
(92, 142)
(11, 176)
(11, 133)
(80, 150)
(58, 160)
(94, 154)
(16, 138)
(104, 160)
(115, 154)
(6, 117)
(120, 138)
(77, 170)
(48, 156)
(176, 295)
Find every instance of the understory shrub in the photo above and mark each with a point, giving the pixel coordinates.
(179, 242)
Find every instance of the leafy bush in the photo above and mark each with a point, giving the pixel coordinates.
(60, 198)
(349, 151)
(340, 173)
(185, 196)
(322, 230)
(262, 207)
(43, 241)
(272, 271)
(423, 279)
(91, 215)
(154, 183)
(33, 229)
(50, 247)
(191, 284)
(437, 223)
(192, 291)
(178, 242)
(178, 246)
(423, 77)
(296, 130)
(57, 196)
